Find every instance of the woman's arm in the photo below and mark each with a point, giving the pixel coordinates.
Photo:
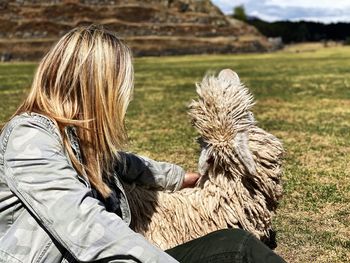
(145, 171)
(39, 173)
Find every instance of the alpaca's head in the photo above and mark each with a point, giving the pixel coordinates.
(230, 138)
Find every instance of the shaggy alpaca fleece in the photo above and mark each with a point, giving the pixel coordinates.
(240, 166)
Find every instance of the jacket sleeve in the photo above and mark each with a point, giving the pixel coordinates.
(39, 173)
(145, 171)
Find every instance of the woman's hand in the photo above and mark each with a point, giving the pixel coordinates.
(190, 179)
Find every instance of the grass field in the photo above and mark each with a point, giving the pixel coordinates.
(302, 98)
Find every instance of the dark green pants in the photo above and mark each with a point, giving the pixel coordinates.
(225, 246)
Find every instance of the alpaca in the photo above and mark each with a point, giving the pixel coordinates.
(240, 167)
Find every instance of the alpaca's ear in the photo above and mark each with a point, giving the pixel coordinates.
(203, 162)
(243, 152)
(230, 76)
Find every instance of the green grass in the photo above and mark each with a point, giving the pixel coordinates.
(303, 98)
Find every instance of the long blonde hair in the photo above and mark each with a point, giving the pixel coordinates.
(86, 80)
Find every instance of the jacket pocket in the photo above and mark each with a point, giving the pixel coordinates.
(26, 241)
(7, 258)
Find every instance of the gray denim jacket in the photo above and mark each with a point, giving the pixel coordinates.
(47, 210)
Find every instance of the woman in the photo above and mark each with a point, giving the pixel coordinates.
(61, 198)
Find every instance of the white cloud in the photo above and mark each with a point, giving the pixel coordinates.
(327, 4)
(271, 10)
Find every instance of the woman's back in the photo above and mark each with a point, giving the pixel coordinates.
(48, 212)
(22, 237)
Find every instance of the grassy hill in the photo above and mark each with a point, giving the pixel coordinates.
(303, 98)
(152, 27)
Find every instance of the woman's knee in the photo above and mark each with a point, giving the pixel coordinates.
(245, 244)
(227, 245)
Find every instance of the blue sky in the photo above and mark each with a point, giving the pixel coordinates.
(326, 11)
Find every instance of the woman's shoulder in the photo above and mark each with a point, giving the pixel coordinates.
(31, 118)
(26, 123)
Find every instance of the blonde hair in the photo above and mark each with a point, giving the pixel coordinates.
(86, 80)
